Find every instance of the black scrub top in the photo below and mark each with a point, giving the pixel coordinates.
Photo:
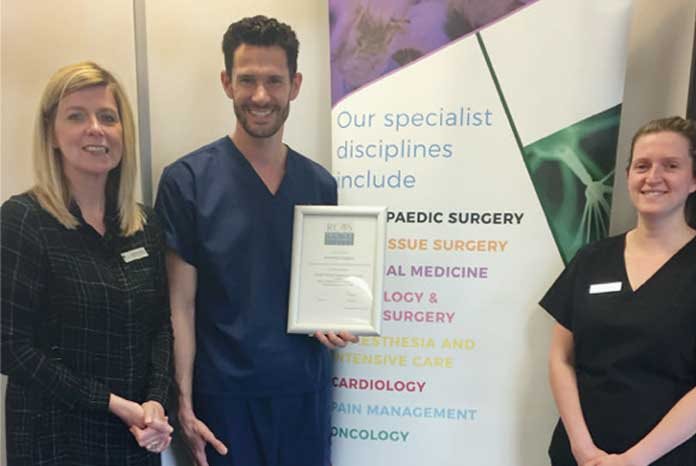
(635, 350)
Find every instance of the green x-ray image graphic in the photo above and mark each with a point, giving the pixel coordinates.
(573, 174)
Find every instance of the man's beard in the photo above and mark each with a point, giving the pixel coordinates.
(264, 131)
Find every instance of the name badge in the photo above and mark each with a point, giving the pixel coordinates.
(134, 254)
(610, 287)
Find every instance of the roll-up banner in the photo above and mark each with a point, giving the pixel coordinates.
(489, 129)
(691, 103)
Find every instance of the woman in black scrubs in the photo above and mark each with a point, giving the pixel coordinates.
(622, 361)
(86, 336)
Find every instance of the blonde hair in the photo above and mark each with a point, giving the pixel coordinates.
(51, 189)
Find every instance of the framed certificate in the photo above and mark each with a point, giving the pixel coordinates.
(337, 269)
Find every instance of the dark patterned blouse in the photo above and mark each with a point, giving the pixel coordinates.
(83, 316)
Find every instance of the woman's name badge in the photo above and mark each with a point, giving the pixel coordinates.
(134, 254)
(610, 287)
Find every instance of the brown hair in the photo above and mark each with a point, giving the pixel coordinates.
(685, 128)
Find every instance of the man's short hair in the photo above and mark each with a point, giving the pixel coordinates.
(263, 31)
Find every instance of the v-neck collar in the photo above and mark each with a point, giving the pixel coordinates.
(659, 271)
(255, 175)
(112, 224)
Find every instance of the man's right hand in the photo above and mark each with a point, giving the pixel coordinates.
(196, 435)
(183, 282)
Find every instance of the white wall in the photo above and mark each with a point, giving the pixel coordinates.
(38, 37)
(657, 82)
(188, 107)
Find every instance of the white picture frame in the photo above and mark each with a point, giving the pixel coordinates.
(337, 273)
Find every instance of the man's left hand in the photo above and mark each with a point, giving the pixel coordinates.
(334, 340)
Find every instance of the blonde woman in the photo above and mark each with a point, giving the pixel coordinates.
(623, 354)
(86, 333)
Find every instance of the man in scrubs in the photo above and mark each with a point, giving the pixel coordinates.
(250, 394)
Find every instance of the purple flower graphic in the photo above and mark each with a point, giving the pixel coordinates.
(370, 38)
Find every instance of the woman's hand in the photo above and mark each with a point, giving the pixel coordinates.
(154, 416)
(611, 460)
(156, 436)
(152, 439)
(587, 455)
(147, 422)
(130, 412)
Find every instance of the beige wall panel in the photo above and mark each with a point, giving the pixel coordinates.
(657, 82)
(188, 107)
(38, 37)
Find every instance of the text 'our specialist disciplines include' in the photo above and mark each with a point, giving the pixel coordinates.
(396, 145)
